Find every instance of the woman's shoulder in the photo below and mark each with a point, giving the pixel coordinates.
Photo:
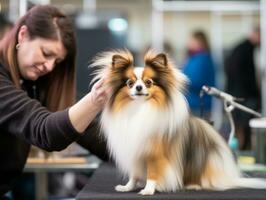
(204, 54)
(204, 57)
(200, 57)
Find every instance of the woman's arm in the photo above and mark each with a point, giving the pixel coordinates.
(94, 140)
(84, 111)
(27, 119)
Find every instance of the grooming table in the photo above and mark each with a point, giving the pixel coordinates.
(106, 177)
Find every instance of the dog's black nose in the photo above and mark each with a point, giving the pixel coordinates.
(139, 88)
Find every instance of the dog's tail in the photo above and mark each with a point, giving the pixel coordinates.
(221, 170)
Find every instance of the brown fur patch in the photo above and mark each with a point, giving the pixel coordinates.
(157, 160)
(163, 75)
(207, 176)
(121, 99)
(122, 96)
(148, 72)
(157, 94)
(158, 97)
(129, 74)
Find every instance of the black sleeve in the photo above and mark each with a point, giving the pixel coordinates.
(27, 119)
(233, 63)
(94, 141)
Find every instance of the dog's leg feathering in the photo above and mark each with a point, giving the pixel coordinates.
(131, 185)
(156, 167)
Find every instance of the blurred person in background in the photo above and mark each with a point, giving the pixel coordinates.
(199, 68)
(241, 82)
(37, 93)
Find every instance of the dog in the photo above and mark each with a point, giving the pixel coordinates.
(151, 134)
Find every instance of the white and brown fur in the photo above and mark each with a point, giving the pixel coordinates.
(151, 134)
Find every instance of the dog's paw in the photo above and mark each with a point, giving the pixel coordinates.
(193, 187)
(122, 188)
(146, 192)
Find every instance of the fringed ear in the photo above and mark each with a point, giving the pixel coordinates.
(119, 62)
(159, 60)
(108, 61)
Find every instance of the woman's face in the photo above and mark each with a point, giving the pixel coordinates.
(194, 44)
(38, 56)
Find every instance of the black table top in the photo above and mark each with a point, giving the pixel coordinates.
(106, 177)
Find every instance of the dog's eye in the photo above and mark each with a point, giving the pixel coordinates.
(148, 83)
(130, 83)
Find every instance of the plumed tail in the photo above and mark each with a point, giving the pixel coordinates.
(255, 183)
(221, 171)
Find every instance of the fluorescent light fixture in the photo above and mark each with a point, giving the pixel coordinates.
(117, 24)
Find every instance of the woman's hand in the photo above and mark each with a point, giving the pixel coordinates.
(84, 111)
(99, 94)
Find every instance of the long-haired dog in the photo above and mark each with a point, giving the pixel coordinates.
(151, 134)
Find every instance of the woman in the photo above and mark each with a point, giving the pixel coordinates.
(37, 91)
(200, 70)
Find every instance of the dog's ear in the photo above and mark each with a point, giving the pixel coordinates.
(160, 60)
(119, 62)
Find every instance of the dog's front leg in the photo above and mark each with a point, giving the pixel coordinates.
(156, 166)
(149, 187)
(131, 185)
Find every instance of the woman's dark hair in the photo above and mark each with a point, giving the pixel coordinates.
(202, 38)
(57, 89)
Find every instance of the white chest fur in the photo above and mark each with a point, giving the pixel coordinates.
(129, 131)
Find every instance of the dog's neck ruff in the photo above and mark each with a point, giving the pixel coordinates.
(142, 116)
(128, 131)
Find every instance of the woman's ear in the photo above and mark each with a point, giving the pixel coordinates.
(23, 34)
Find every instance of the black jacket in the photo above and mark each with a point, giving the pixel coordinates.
(24, 121)
(240, 72)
